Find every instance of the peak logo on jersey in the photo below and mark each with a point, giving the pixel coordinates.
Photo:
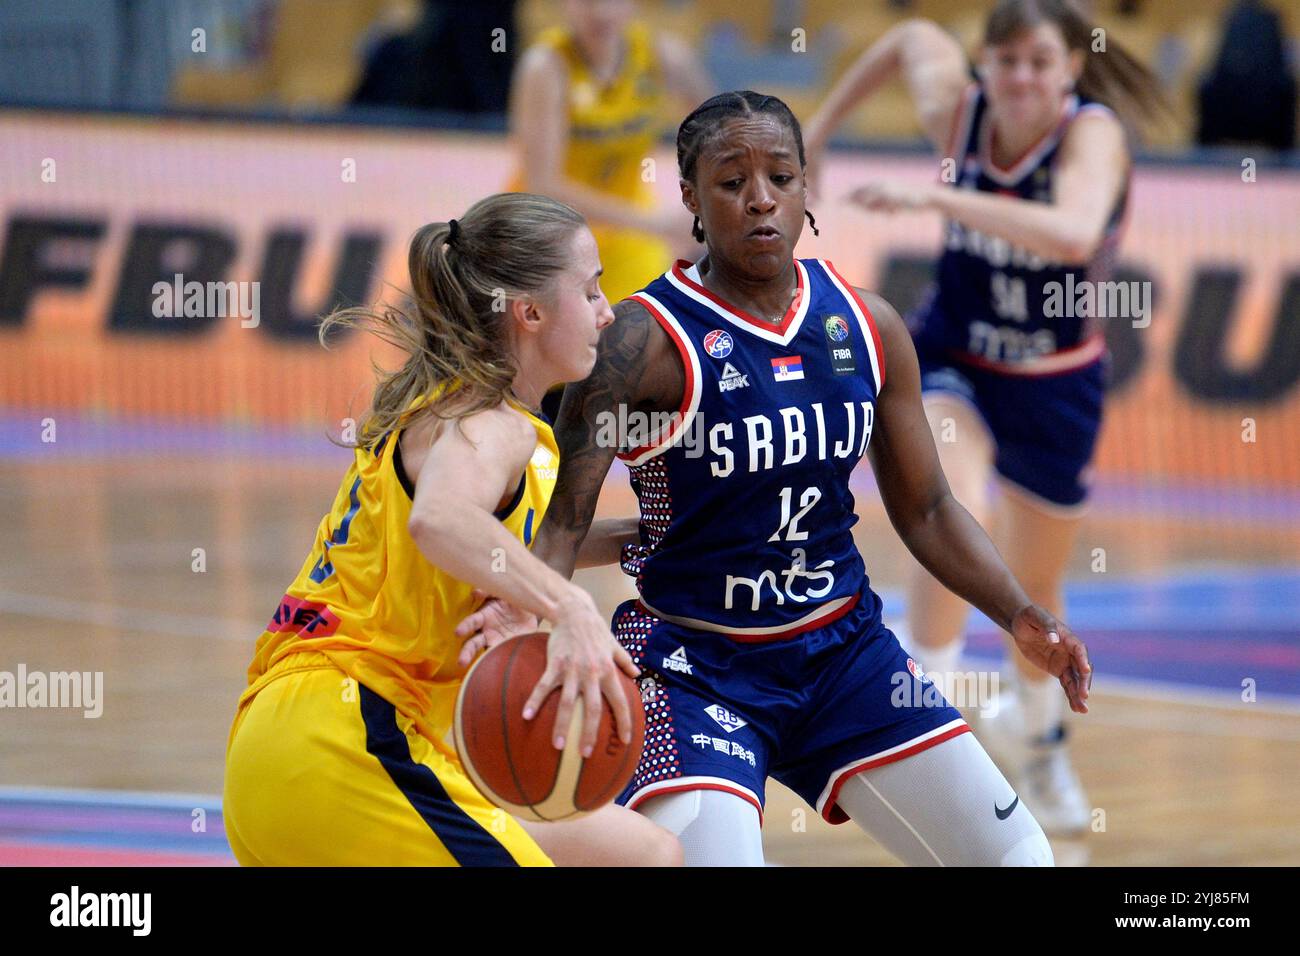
(916, 670)
(788, 368)
(676, 661)
(718, 343)
(725, 718)
(732, 379)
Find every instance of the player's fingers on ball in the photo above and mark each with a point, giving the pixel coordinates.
(613, 688)
(564, 714)
(541, 689)
(592, 706)
(625, 663)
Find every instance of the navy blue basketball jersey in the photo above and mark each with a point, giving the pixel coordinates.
(994, 303)
(746, 514)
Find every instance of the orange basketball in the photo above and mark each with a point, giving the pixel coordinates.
(513, 761)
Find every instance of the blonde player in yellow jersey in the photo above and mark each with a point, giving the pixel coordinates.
(338, 754)
(586, 106)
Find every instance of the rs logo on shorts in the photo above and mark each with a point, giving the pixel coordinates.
(725, 718)
(676, 661)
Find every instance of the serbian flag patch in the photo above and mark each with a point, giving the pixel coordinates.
(788, 369)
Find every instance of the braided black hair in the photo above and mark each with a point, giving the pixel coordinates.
(704, 125)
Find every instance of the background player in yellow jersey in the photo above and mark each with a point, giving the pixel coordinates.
(338, 754)
(586, 107)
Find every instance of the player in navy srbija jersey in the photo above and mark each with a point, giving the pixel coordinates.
(775, 417)
(1034, 185)
(741, 389)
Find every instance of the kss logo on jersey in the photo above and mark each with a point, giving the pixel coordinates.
(837, 342)
(718, 343)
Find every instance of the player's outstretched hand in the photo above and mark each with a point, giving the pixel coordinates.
(582, 657)
(1052, 646)
(888, 197)
(495, 621)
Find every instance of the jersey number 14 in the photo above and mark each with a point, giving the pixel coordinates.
(1009, 300)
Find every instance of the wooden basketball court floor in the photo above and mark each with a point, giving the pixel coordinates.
(1200, 598)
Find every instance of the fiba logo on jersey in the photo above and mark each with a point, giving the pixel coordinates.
(718, 343)
(916, 670)
(837, 343)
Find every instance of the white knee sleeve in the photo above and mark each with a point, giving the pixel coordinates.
(946, 806)
(715, 828)
(1032, 850)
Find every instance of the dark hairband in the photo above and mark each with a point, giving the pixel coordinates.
(453, 230)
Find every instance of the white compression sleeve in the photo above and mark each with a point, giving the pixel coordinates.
(715, 828)
(941, 807)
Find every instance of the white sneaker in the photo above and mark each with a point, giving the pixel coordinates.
(1040, 770)
(1052, 789)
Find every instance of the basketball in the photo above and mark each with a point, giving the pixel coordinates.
(513, 762)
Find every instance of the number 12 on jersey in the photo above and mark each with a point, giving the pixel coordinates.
(790, 525)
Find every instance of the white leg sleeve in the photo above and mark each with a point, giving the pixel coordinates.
(715, 828)
(946, 806)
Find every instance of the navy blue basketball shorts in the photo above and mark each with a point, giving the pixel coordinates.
(810, 710)
(1044, 427)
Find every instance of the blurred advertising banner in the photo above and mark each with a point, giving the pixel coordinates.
(176, 268)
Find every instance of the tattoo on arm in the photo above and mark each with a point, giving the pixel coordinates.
(625, 375)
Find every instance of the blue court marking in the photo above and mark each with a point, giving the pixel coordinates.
(115, 798)
(1204, 629)
(119, 820)
(83, 436)
(119, 840)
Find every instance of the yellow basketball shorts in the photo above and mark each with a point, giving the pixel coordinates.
(322, 771)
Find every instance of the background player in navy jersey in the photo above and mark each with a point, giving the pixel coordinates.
(759, 636)
(1041, 170)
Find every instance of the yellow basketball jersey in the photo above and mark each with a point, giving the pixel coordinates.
(373, 604)
(612, 128)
